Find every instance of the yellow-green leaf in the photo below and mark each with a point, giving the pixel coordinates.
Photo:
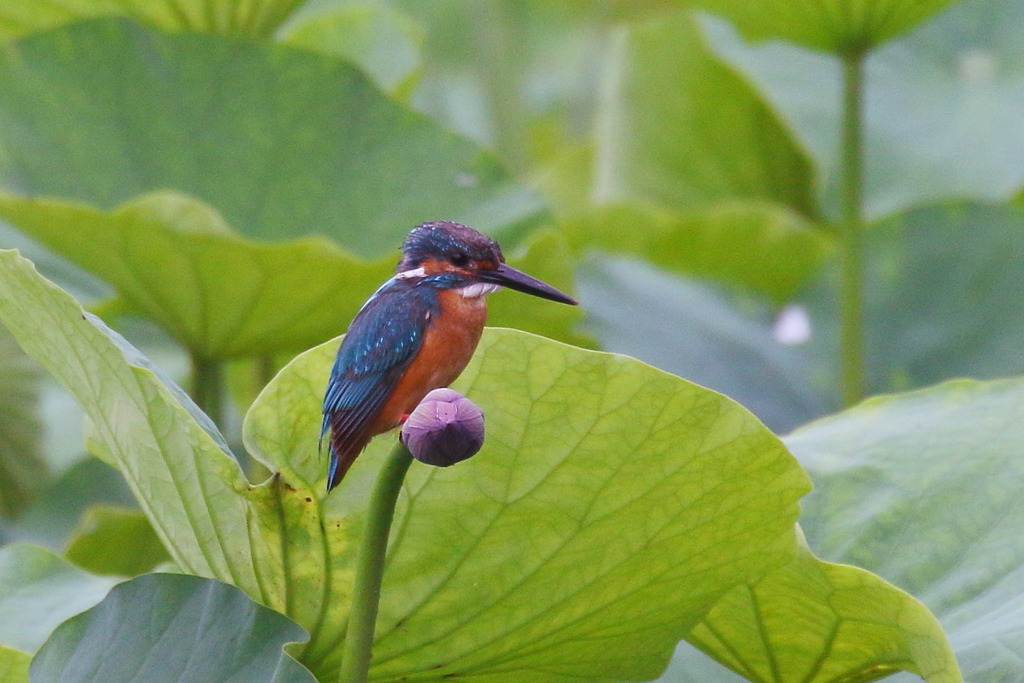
(241, 17)
(115, 540)
(283, 142)
(677, 127)
(13, 665)
(831, 25)
(185, 482)
(610, 505)
(815, 622)
(761, 247)
(175, 260)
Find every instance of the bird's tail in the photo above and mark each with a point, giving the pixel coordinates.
(344, 449)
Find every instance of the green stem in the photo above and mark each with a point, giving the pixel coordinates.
(208, 387)
(852, 285)
(502, 36)
(355, 662)
(264, 371)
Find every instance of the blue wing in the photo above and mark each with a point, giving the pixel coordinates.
(382, 340)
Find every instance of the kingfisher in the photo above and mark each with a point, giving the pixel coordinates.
(416, 333)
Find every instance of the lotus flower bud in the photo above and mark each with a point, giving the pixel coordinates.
(445, 428)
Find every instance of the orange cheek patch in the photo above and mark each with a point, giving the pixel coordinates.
(432, 266)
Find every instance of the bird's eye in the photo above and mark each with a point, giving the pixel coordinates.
(459, 259)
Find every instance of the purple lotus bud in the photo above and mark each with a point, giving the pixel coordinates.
(445, 428)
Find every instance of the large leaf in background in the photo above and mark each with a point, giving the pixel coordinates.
(187, 485)
(582, 447)
(55, 513)
(619, 10)
(763, 248)
(173, 259)
(282, 142)
(690, 329)
(164, 628)
(383, 41)
(830, 25)
(944, 297)
(678, 127)
(115, 540)
(925, 489)
(22, 470)
(941, 112)
(243, 17)
(39, 590)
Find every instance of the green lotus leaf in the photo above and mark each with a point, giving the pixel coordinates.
(383, 41)
(39, 590)
(582, 447)
(936, 473)
(164, 628)
(699, 469)
(813, 621)
(763, 248)
(282, 142)
(13, 665)
(241, 17)
(23, 472)
(115, 540)
(706, 138)
(836, 26)
(620, 10)
(173, 259)
(185, 482)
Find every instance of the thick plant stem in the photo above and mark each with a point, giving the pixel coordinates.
(208, 387)
(355, 662)
(265, 371)
(500, 30)
(852, 284)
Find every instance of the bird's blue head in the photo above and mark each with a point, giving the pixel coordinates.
(455, 256)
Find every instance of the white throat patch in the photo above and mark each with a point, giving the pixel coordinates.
(478, 289)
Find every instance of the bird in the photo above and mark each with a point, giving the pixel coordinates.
(416, 333)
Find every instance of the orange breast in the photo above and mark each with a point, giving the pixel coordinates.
(448, 344)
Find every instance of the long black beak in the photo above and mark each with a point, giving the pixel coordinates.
(507, 276)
